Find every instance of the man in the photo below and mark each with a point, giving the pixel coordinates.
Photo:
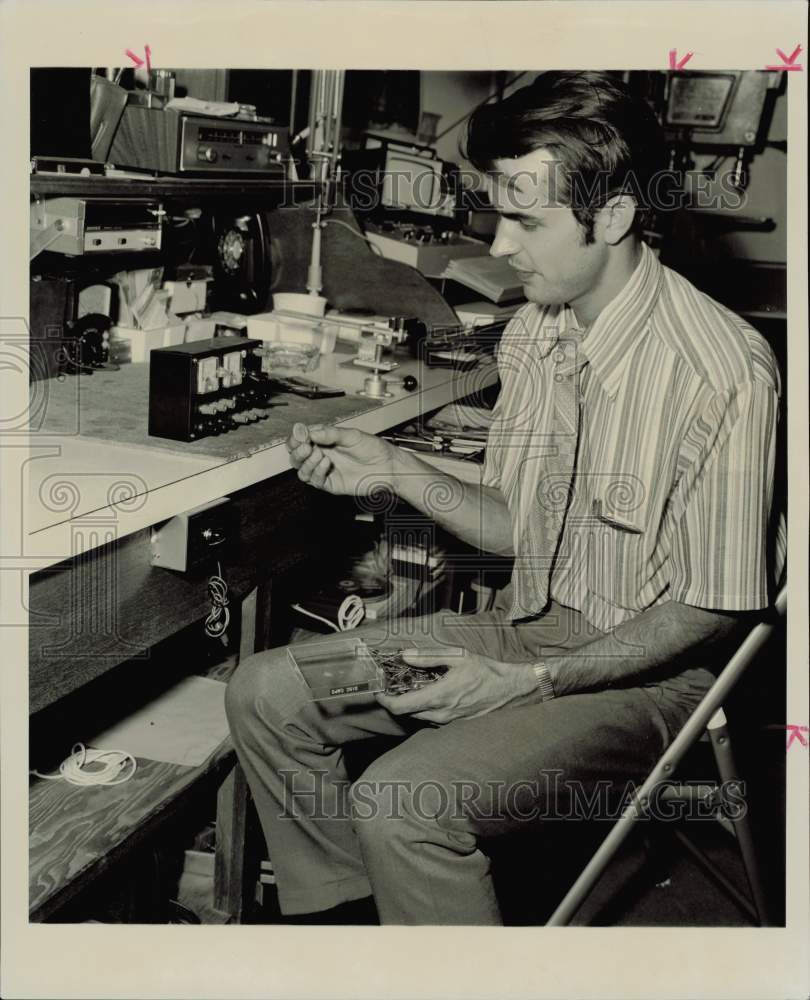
(629, 471)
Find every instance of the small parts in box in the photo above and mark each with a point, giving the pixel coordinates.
(335, 668)
(399, 676)
(340, 668)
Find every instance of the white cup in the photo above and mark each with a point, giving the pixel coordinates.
(297, 302)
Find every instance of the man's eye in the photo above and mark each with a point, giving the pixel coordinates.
(529, 224)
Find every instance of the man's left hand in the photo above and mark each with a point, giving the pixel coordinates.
(473, 685)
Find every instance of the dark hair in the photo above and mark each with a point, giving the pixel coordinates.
(606, 140)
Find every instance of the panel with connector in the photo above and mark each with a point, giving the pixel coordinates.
(197, 538)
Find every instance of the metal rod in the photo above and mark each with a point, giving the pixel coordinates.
(293, 99)
(726, 765)
(691, 731)
(714, 872)
(338, 116)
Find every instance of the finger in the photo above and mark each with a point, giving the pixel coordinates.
(410, 702)
(334, 436)
(301, 453)
(426, 658)
(437, 718)
(309, 466)
(300, 432)
(320, 472)
(298, 435)
(392, 703)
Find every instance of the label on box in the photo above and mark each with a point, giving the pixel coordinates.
(336, 668)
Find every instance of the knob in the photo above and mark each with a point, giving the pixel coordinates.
(409, 383)
(209, 155)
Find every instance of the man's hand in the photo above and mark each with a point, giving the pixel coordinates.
(340, 460)
(473, 685)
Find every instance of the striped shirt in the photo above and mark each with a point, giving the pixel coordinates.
(673, 486)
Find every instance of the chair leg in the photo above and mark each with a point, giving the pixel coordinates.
(607, 850)
(694, 726)
(726, 765)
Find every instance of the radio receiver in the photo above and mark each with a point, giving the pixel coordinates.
(172, 143)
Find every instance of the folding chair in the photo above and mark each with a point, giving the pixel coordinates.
(707, 717)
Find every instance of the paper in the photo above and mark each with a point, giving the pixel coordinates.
(194, 106)
(491, 276)
(183, 726)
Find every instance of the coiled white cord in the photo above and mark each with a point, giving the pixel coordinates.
(351, 612)
(218, 617)
(110, 771)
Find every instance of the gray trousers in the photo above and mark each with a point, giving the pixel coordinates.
(408, 831)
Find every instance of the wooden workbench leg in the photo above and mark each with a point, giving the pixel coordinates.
(255, 631)
(247, 633)
(230, 888)
(236, 861)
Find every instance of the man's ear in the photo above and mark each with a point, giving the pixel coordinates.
(616, 217)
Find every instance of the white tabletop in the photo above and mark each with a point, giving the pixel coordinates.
(83, 492)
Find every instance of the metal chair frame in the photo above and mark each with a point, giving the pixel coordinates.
(709, 718)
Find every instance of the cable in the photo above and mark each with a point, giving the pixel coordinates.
(340, 222)
(311, 614)
(72, 768)
(350, 613)
(219, 616)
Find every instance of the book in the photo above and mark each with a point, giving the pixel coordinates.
(491, 276)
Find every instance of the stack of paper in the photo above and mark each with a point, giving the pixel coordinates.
(491, 276)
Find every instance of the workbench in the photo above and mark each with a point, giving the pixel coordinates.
(96, 488)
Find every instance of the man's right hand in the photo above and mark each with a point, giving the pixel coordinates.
(341, 460)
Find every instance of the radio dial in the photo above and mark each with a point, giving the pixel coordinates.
(209, 155)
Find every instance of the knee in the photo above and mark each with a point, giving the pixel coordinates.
(250, 693)
(375, 799)
(390, 805)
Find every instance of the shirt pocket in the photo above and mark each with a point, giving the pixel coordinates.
(618, 564)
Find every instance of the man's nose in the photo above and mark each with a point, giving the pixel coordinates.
(504, 244)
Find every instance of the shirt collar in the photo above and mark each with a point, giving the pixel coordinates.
(609, 340)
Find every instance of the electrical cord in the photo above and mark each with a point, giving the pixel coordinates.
(349, 614)
(112, 762)
(219, 616)
(340, 222)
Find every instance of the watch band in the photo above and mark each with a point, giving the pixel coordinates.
(544, 682)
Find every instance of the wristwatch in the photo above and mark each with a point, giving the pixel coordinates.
(544, 683)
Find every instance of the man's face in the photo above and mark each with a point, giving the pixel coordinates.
(540, 237)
